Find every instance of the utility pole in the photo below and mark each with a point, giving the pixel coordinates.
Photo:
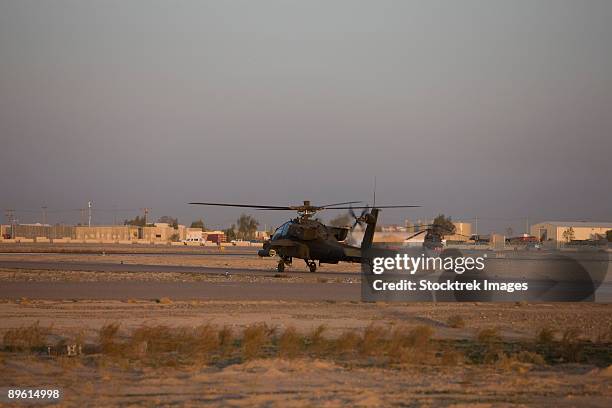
(146, 214)
(476, 225)
(44, 215)
(89, 214)
(9, 213)
(82, 210)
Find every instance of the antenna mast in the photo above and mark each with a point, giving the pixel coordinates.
(374, 205)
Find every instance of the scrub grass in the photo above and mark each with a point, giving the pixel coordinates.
(546, 335)
(411, 346)
(290, 343)
(254, 340)
(376, 345)
(456, 322)
(27, 338)
(571, 345)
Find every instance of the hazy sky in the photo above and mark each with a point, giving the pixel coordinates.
(496, 109)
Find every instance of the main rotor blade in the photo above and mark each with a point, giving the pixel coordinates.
(333, 205)
(293, 208)
(378, 206)
(261, 207)
(414, 235)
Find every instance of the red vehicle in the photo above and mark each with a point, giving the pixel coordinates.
(523, 239)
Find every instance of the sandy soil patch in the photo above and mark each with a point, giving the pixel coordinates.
(312, 383)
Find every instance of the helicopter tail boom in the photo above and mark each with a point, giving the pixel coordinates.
(368, 236)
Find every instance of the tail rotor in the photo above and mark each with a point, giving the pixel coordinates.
(361, 219)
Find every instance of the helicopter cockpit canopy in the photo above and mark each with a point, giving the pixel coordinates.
(282, 232)
(302, 231)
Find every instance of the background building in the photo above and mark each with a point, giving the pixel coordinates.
(106, 233)
(580, 230)
(262, 235)
(218, 237)
(157, 233)
(33, 231)
(195, 235)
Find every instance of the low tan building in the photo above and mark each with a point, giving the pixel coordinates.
(262, 235)
(562, 231)
(195, 235)
(107, 233)
(160, 232)
(182, 232)
(157, 233)
(33, 231)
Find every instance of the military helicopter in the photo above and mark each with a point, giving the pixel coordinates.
(434, 234)
(309, 239)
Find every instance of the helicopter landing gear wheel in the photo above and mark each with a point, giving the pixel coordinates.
(312, 266)
(281, 266)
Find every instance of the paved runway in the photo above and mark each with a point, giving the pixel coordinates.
(181, 291)
(174, 290)
(118, 250)
(117, 267)
(113, 252)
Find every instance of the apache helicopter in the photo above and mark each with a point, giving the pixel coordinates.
(311, 240)
(433, 236)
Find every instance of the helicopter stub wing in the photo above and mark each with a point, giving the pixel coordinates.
(352, 252)
(289, 248)
(283, 243)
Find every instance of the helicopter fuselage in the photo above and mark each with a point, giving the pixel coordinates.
(311, 241)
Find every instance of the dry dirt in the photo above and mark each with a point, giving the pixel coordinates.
(306, 383)
(515, 321)
(300, 382)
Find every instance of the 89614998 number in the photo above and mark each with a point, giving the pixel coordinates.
(32, 393)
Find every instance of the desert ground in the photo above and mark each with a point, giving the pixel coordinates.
(159, 343)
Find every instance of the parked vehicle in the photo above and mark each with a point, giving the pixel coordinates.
(194, 241)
